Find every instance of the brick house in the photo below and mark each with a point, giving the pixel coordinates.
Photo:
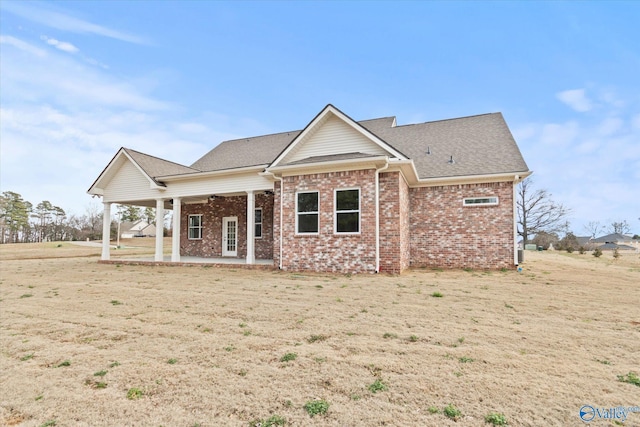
(339, 195)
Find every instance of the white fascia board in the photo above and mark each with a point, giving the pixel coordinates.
(408, 169)
(117, 161)
(471, 179)
(152, 183)
(330, 109)
(328, 166)
(223, 172)
(96, 188)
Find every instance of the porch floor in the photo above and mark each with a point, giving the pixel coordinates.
(192, 260)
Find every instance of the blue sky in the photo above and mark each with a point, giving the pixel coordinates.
(81, 79)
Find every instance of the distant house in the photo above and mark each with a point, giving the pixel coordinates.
(617, 240)
(339, 195)
(140, 228)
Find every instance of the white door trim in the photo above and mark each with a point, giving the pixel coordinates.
(230, 236)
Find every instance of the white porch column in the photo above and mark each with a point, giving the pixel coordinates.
(159, 229)
(106, 230)
(175, 238)
(251, 256)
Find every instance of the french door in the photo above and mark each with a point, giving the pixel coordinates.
(230, 236)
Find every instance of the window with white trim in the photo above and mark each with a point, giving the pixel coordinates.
(195, 227)
(480, 201)
(307, 212)
(258, 223)
(347, 211)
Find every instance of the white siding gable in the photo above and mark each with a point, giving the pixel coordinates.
(333, 136)
(129, 184)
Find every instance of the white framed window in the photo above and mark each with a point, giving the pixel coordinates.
(307, 212)
(480, 201)
(257, 218)
(347, 211)
(195, 227)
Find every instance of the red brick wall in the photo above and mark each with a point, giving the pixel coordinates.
(264, 246)
(446, 234)
(328, 251)
(419, 227)
(212, 213)
(394, 224)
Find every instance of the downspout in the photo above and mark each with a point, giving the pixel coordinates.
(378, 214)
(281, 207)
(515, 220)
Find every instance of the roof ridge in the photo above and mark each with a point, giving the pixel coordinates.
(297, 130)
(450, 119)
(377, 118)
(259, 136)
(159, 158)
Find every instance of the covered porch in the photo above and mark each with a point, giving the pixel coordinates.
(221, 229)
(214, 213)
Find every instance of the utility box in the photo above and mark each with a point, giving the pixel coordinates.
(520, 256)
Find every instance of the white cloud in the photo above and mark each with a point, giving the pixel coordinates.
(51, 153)
(610, 126)
(559, 135)
(64, 46)
(589, 163)
(576, 99)
(63, 80)
(22, 45)
(610, 97)
(42, 13)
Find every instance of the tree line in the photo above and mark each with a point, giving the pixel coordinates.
(22, 222)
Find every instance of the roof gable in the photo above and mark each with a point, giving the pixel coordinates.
(149, 167)
(333, 133)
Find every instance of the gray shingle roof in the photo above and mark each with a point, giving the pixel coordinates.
(155, 167)
(260, 150)
(612, 238)
(237, 153)
(479, 145)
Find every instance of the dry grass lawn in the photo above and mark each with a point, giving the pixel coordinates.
(228, 347)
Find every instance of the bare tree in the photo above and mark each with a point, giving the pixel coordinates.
(538, 212)
(621, 227)
(593, 228)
